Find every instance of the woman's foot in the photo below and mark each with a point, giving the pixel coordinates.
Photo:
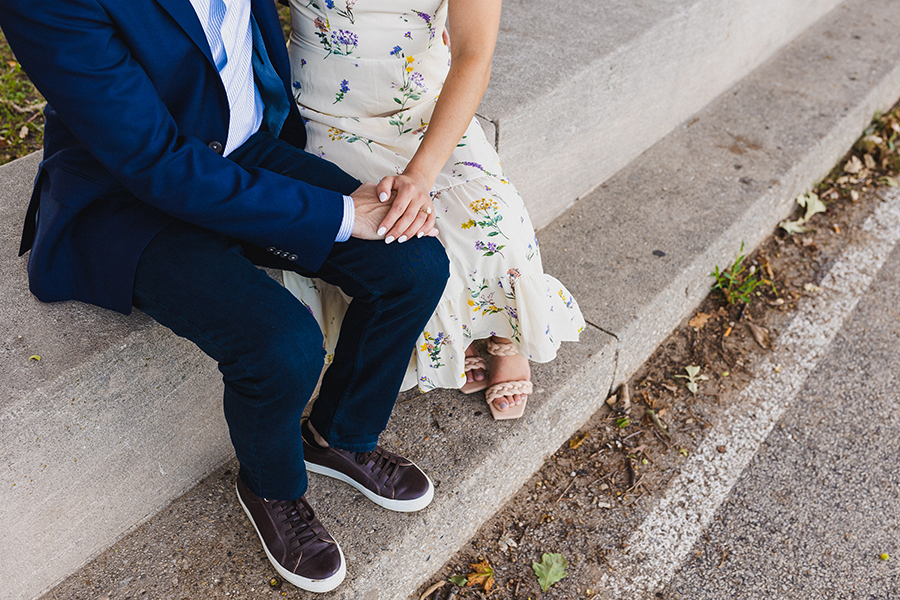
(476, 372)
(505, 368)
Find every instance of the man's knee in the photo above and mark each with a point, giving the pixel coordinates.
(429, 268)
(285, 349)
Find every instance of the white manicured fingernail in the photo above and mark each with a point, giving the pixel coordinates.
(382, 231)
(382, 196)
(420, 234)
(389, 239)
(401, 239)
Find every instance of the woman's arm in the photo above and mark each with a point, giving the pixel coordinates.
(473, 33)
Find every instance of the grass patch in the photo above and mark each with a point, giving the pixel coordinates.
(21, 121)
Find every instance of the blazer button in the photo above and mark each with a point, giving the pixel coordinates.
(292, 257)
(271, 249)
(217, 147)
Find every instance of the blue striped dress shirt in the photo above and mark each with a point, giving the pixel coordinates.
(226, 24)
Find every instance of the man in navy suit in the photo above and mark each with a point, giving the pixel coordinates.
(172, 167)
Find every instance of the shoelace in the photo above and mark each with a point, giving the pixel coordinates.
(386, 465)
(300, 523)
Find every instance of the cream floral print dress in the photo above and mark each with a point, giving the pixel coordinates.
(366, 75)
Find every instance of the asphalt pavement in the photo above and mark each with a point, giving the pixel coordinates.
(820, 503)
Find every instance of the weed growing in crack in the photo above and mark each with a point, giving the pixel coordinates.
(737, 283)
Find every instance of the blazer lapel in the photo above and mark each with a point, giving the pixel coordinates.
(270, 29)
(183, 13)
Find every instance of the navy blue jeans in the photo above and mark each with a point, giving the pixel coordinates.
(207, 288)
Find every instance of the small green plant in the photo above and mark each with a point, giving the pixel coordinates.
(693, 378)
(737, 283)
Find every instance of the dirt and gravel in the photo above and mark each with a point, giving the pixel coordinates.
(596, 488)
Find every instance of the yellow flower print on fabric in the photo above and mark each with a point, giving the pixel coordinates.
(412, 88)
(337, 135)
(480, 301)
(490, 217)
(482, 205)
(433, 345)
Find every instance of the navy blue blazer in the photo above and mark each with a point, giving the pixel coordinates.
(136, 111)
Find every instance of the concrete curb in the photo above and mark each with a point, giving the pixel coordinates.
(583, 88)
(649, 237)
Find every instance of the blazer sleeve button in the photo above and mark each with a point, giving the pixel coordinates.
(217, 147)
(292, 258)
(271, 249)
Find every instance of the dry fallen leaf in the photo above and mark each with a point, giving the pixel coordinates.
(483, 575)
(870, 162)
(432, 589)
(761, 335)
(870, 143)
(576, 442)
(853, 166)
(793, 227)
(811, 287)
(699, 320)
(813, 206)
(23, 133)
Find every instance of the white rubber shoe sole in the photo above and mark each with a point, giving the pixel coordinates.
(388, 503)
(317, 586)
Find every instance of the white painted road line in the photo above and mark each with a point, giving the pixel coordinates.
(660, 545)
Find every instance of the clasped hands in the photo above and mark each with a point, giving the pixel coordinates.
(398, 208)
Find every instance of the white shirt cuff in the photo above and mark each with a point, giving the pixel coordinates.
(347, 222)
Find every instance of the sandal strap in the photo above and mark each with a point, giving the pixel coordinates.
(507, 388)
(473, 363)
(501, 348)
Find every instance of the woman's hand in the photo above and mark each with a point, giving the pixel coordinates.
(411, 213)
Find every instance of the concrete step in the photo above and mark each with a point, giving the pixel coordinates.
(583, 88)
(119, 417)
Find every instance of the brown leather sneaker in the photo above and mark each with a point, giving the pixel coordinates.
(295, 541)
(385, 478)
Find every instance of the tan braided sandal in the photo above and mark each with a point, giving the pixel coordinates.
(507, 388)
(474, 363)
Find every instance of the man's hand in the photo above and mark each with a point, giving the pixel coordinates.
(370, 212)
